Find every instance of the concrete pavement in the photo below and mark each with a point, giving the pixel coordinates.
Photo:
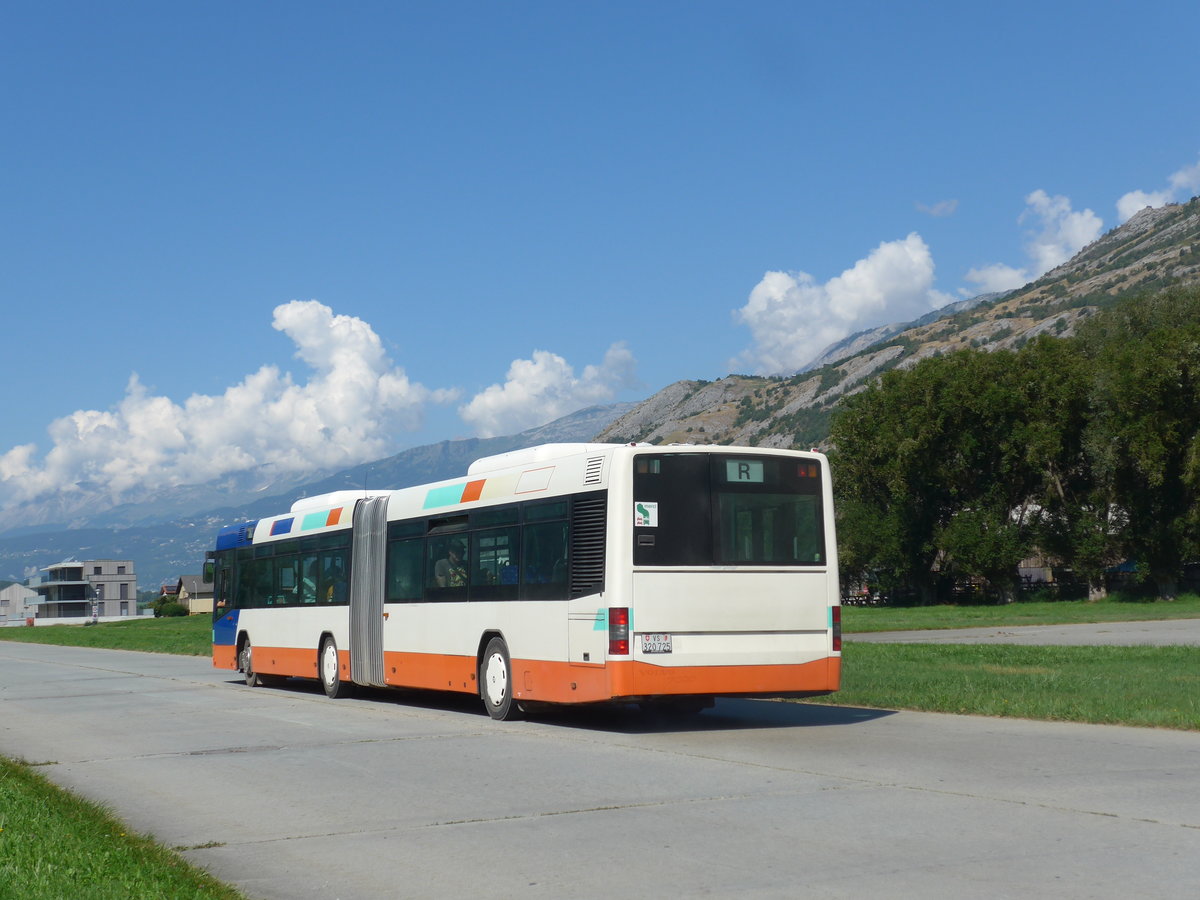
(289, 795)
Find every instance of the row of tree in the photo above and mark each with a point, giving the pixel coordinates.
(1084, 449)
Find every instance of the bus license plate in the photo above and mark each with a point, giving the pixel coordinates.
(656, 643)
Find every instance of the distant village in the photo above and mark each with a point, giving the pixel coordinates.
(97, 590)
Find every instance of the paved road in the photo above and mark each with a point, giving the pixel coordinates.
(1127, 634)
(290, 795)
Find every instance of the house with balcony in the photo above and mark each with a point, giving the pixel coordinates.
(93, 587)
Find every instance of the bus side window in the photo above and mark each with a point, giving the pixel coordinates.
(544, 561)
(264, 582)
(494, 564)
(446, 567)
(404, 570)
(285, 577)
(331, 587)
(222, 593)
(243, 593)
(309, 575)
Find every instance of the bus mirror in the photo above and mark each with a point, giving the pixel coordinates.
(208, 571)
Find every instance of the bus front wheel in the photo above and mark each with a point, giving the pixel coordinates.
(331, 680)
(245, 657)
(495, 682)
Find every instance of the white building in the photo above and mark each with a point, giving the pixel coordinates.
(17, 603)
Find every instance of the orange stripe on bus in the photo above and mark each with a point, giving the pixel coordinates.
(224, 656)
(559, 682)
(634, 679)
(301, 662)
(430, 671)
(472, 491)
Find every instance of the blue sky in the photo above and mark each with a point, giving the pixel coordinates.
(311, 234)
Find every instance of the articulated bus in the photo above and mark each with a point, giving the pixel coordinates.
(560, 574)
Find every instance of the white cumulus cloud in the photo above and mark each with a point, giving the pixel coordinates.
(1054, 233)
(348, 411)
(996, 277)
(1184, 184)
(939, 210)
(1061, 231)
(1135, 201)
(544, 388)
(793, 317)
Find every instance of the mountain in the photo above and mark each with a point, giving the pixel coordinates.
(864, 339)
(166, 541)
(1155, 249)
(167, 534)
(89, 506)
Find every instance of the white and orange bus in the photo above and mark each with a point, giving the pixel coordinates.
(565, 573)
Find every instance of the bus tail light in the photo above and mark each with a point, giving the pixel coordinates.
(618, 631)
(837, 629)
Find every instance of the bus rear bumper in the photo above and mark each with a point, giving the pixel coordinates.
(640, 679)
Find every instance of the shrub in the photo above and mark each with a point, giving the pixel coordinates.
(172, 608)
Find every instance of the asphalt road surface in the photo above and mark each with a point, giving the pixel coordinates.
(287, 794)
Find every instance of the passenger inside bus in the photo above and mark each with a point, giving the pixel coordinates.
(452, 571)
(334, 577)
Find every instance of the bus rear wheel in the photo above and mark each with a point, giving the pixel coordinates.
(495, 682)
(331, 679)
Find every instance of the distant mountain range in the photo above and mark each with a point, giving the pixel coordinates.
(167, 535)
(1153, 250)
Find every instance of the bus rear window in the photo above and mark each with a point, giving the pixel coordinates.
(693, 509)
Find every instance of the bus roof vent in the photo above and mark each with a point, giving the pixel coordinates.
(595, 470)
(539, 454)
(335, 498)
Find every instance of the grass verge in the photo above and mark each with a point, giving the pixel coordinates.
(182, 635)
(863, 619)
(192, 635)
(54, 845)
(1157, 687)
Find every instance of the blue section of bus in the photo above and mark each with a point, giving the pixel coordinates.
(232, 536)
(225, 630)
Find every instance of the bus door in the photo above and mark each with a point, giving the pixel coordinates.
(366, 591)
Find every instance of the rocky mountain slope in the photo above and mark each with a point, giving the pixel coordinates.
(1153, 250)
(168, 535)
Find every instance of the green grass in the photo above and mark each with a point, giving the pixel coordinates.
(182, 635)
(55, 845)
(192, 635)
(1156, 687)
(862, 619)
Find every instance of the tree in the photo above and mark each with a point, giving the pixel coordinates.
(1144, 438)
(933, 474)
(1077, 520)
